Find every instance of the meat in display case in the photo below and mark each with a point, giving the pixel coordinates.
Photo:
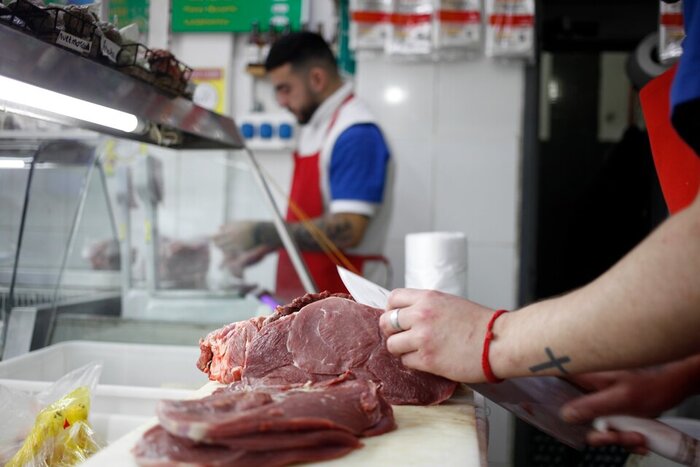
(121, 202)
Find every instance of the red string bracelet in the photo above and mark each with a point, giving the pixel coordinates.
(485, 365)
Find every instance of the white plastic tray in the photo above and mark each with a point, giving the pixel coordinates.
(140, 365)
(134, 378)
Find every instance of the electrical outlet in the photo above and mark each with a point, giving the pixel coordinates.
(269, 131)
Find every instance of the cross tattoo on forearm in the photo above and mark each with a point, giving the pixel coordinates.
(553, 362)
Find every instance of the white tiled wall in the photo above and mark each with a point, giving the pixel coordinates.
(456, 139)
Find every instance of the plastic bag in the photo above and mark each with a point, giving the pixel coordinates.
(510, 28)
(457, 27)
(411, 28)
(49, 428)
(671, 32)
(369, 26)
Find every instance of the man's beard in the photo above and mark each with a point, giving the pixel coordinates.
(307, 112)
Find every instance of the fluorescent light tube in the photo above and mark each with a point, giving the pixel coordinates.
(19, 93)
(11, 164)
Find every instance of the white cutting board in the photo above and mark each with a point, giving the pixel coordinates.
(444, 435)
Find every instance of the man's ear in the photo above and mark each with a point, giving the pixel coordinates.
(318, 79)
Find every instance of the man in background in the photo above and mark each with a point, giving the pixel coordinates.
(341, 172)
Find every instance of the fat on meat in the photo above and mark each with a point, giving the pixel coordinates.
(223, 351)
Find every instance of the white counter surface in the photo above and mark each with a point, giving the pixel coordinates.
(444, 435)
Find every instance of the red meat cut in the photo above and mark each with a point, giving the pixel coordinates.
(330, 340)
(267, 425)
(355, 406)
(314, 338)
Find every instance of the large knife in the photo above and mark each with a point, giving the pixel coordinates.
(538, 400)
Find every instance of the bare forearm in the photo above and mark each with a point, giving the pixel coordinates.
(343, 230)
(645, 310)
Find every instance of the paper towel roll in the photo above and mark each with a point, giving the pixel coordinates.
(438, 261)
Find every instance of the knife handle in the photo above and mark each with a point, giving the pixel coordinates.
(661, 438)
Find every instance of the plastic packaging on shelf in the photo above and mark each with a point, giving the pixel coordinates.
(671, 31)
(170, 73)
(411, 29)
(78, 28)
(510, 28)
(50, 428)
(369, 24)
(457, 27)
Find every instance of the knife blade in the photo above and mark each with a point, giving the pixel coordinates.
(538, 400)
(362, 290)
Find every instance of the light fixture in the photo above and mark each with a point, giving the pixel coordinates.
(11, 163)
(13, 92)
(394, 95)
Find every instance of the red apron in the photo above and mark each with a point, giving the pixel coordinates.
(677, 165)
(306, 193)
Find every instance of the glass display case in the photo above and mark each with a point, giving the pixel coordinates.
(46, 186)
(106, 233)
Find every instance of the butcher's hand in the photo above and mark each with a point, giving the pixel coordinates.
(443, 334)
(643, 392)
(237, 262)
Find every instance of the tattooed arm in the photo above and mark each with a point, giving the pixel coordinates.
(643, 311)
(245, 243)
(345, 230)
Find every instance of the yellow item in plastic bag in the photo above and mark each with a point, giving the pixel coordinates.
(61, 434)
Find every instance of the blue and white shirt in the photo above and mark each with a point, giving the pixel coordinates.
(355, 164)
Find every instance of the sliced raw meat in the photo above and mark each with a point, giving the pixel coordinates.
(291, 440)
(351, 405)
(285, 376)
(333, 335)
(160, 448)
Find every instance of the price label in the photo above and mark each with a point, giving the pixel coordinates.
(74, 43)
(110, 49)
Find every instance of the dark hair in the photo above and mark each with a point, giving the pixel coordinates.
(301, 50)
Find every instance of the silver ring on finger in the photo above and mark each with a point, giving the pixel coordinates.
(394, 319)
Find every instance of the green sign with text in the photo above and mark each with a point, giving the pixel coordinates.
(235, 15)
